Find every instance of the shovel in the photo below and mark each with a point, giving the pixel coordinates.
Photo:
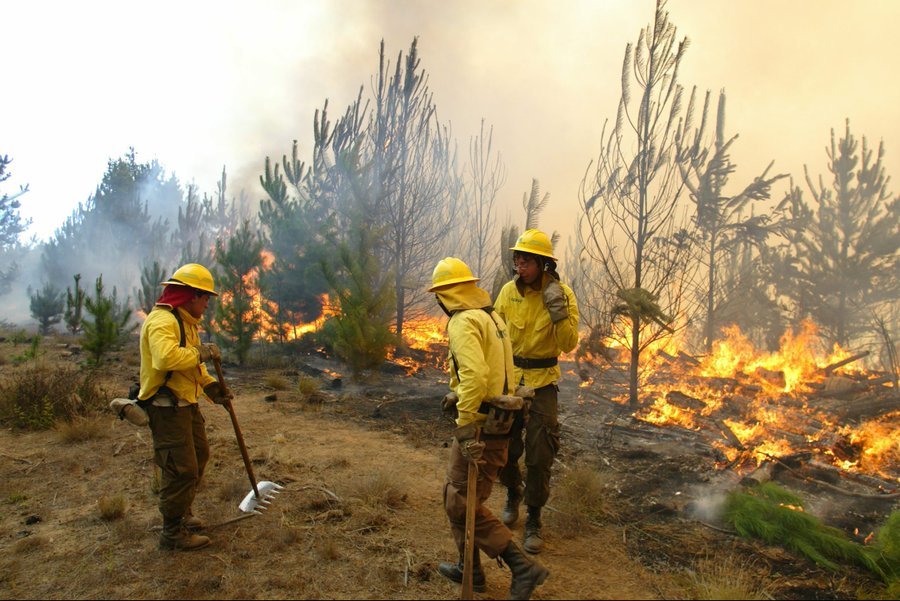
(263, 493)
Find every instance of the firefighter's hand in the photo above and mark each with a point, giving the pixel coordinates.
(209, 351)
(555, 300)
(526, 392)
(469, 446)
(218, 394)
(448, 404)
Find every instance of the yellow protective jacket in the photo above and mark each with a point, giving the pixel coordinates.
(161, 352)
(480, 354)
(533, 335)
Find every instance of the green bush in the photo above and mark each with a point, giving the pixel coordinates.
(775, 515)
(36, 397)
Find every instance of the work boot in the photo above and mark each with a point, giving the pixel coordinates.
(454, 571)
(192, 522)
(511, 511)
(175, 537)
(527, 573)
(533, 540)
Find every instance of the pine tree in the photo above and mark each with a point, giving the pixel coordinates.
(74, 306)
(11, 227)
(238, 319)
(108, 328)
(47, 306)
(151, 278)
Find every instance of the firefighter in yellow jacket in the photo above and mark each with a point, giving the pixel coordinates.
(542, 317)
(173, 379)
(481, 380)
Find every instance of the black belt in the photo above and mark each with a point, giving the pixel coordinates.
(525, 363)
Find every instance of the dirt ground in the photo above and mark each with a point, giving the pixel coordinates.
(361, 514)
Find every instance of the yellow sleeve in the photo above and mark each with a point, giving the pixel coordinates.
(467, 348)
(164, 338)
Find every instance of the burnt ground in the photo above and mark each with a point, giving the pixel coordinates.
(327, 538)
(668, 482)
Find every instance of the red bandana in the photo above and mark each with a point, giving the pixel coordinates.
(175, 295)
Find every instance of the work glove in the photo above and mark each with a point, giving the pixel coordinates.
(218, 394)
(209, 351)
(527, 394)
(555, 301)
(448, 404)
(470, 447)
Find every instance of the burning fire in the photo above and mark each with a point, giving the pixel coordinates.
(768, 400)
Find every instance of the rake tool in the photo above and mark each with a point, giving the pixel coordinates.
(264, 492)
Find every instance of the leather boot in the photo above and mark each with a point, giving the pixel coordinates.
(533, 540)
(527, 573)
(454, 571)
(192, 522)
(175, 536)
(511, 512)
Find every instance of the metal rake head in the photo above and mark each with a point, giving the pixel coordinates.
(267, 491)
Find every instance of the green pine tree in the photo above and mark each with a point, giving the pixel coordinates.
(108, 327)
(238, 321)
(47, 307)
(74, 306)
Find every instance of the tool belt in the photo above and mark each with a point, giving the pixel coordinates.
(501, 412)
(526, 363)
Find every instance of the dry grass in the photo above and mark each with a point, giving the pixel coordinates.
(579, 501)
(111, 507)
(276, 382)
(727, 576)
(308, 386)
(80, 429)
(378, 489)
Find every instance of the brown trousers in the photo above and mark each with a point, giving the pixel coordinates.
(540, 446)
(491, 536)
(181, 451)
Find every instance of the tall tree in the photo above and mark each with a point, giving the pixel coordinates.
(296, 227)
(238, 318)
(485, 174)
(416, 185)
(11, 227)
(115, 229)
(630, 195)
(108, 327)
(845, 258)
(726, 233)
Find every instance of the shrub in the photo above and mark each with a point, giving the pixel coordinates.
(111, 508)
(579, 500)
(728, 577)
(80, 429)
(36, 397)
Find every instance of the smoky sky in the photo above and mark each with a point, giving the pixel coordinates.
(205, 85)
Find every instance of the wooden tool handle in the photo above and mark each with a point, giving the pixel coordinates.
(467, 592)
(237, 429)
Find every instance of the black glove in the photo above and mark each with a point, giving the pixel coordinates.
(217, 393)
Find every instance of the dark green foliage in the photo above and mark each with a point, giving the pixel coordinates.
(115, 228)
(108, 326)
(35, 397)
(773, 514)
(361, 334)
(842, 256)
(75, 306)
(47, 306)
(238, 321)
(297, 227)
(151, 278)
(887, 549)
(32, 352)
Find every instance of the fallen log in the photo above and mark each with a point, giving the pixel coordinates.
(828, 369)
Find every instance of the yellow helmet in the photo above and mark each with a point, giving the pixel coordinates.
(193, 275)
(450, 271)
(534, 242)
